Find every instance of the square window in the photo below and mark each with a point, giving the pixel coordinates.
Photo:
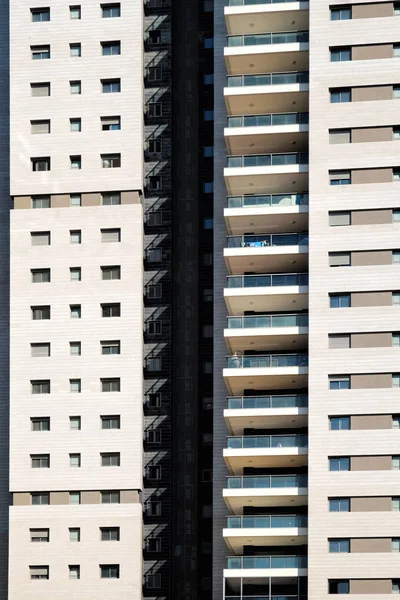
(339, 382)
(110, 459)
(40, 313)
(111, 385)
(155, 146)
(109, 534)
(153, 544)
(42, 126)
(111, 422)
(40, 52)
(40, 15)
(154, 436)
(111, 11)
(39, 572)
(110, 310)
(75, 50)
(75, 348)
(76, 162)
(110, 123)
(75, 273)
(75, 236)
(341, 13)
(110, 497)
(340, 177)
(111, 347)
(75, 386)
(154, 363)
(40, 89)
(339, 423)
(40, 461)
(74, 497)
(154, 255)
(208, 223)
(153, 472)
(208, 151)
(340, 219)
(75, 87)
(40, 423)
(39, 386)
(40, 350)
(75, 460)
(39, 535)
(110, 236)
(339, 463)
(41, 202)
(75, 199)
(75, 423)
(154, 73)
(75, 311)
(208, 115)
(111, 86)
(74, 534)
(109, 571)
(155, 182)
(110, 161)
(208, 187)
(111, 198)
(396, 381)
(153, 581)
(75, 12)
(208, 79)
(339, 259)
(154, 36)
(110, 272)
(153, 508)
(154, 291)
(339, 504)
(340, 95)
(340, 300)
(208, 42)
(339, 586)
(154, 109)
(340, 54)
(75, 125)
(110, 48)
(40, 238)
(40, 498)
(40, 164)
(153, 400)
(154, 327)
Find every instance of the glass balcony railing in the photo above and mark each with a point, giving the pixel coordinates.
(259, 39)
(265, 597)
(267, 441)
(288, 401)
(266, 481)
(268, 199)
(267, 240)
(296, 320)
(267, 361)
(252, 281)
(266, 521)
(268, 160)
(246, 2)
(268, 79)
(267, 562)
(269, 120)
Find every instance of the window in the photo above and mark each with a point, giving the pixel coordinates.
(208, 79)
(41, 202)
(154, 255)
(75, 50)
(40, 52)
(39, 386)
(340, 177)
(339, 259)
(208, 5)
(75, 125)
(208, 223)
(110, 161)
(153, 400)
(75, 311)
(339, 586)
(111, 422)
(110, 497)
(396, 503)
(154, 109)
(75, 273)
(110, 11)
(76, 162)
(206, 475)
(75, 423)
(339, 545)
(40, 461)
(340, 54)
(113, 272)
(111, 347)
(39, 535)
(396, 7)
(110, 48)
(155, 182)
(208, 151)
(396, 215)
(341, 218)
(340, 300)
(340, 136)
(75, 87)
(40, 89)
(336, 423)
(396, 49)
(74, 571)
(339, 463)
(40, 423)
(74, 497)
(111, 385)
(339, 341)
(109, 534)
(75, 348)
(207, 367)
(154, 73)
(40, 350)
(109, 571)
(154, 327)
(153, 509)
(155, 146)
(75, 200)
(207, 403)
(396, 422)
(110, 459)
(207, 259)
(74, 534)
(75, 386)
(395, 586)
(207, 331)
(339, 382)
(396, 463)
(75, 236)
(40, 313)
(208, 115)
(154, 472)
(153, 580)
(341, 13)
(396, 339)
(153, 544)
(396, 174)
(154, 36)
(207, 295)
(40, 15)
(396, 381)
(75, 12)
(396, 256)
(154, 290)
(208, 42)
(40, 498)
(75, 460)
(110, 310)
(39, 572)
(154, 363)
(111, 86)
(154, 436)
(42, 126)
(339, 504)
(40, 238)
(41, 164)
(110, 123)
(111, 199)
(340, 95)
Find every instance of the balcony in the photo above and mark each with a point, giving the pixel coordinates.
(265, 451)
(265, 490)
(261, 52)
(278, 252)
(269, 412)
(264, 530)
(266, 172)
(264, 566)
(275, 132)
(268, 371)
(263, 292)
(266, 93)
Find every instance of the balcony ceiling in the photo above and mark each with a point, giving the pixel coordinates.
(291, 418)
(237, 380)
(261, 219)
(259, 260)
(239, 340)
(237, 538)
(261, 140)
(274, 58)
(239, 300)
(257, 100)
(247, 180)
(260, 18)
(236, 499)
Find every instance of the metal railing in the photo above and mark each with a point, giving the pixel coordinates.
(296, 320)
(281, 37)
(268, 160)
(266, 562)
(267, 441)
(268, 79)
(266, 597)
(268, 200)
(267, 240)
(270, 119)
(246, 2)
(267, 361)
(266, 521)
(288, 401)
(251, 281)
(266, 481)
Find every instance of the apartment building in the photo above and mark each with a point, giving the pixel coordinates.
(306, 422)
(76, 300)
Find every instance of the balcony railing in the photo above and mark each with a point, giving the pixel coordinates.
(267, 562)
(267, 240)
(289, 401)
(266, 521)
(266, 481)
(268, 160)
(267, 597)
(267, 361)
(267, 441)
(296, 320)
(269, 120)
(268, 79)
(290, 37)
(268, 199)
(246, 2)
(251, 281)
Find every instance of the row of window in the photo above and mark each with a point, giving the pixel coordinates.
(107, 534)
(43, 349)
(43, 52)
(345, 53)
(43, 572)
(344, 504)
(343, 382)
(344, 340)
(345, 13)
(75, 423)
(107, 11)
(343, 545)
(107, 161)
(43, 238)
(343, 218)
(44, 498)
(107, 199)
(343, 463)
(344, 300)
(344, 176)
(342, 586)
(346, 136)
(339, 95)
(110, 123)
(344, 422)
(343, 259)
(43, 386)
(107, 459)
(107, 273)
(108, 86)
